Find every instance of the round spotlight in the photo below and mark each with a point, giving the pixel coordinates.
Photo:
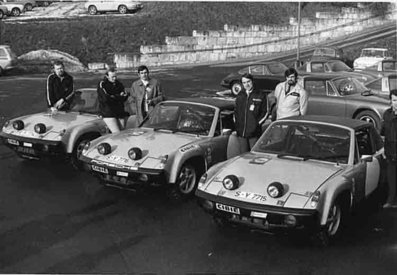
(290, 220)
(230, 182)
(275, 190)
(18, 124)
(143, 177)
(104, 148)
(40, 128)
(135, 153)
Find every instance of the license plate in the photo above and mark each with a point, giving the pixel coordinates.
(228, 208)
(258, 214)
(13, 141)
(122, 174)
(25, 150)
(100, 169)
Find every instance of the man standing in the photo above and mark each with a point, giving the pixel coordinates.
(146, 92)
(389, 130)
(250, 113)
(59, 88)
(111, 97)
(291, 98)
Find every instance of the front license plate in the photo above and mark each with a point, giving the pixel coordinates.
(25, 150)
(100, 169)
(227, 208)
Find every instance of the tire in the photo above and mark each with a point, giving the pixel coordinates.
(92, 10)
(335, 224)
(78, 148)
(122, 9)
(186, 183)
(1, 71)
(371, 117)
(15, 12)
(28, 7)
(1, 17)
(236, 88)
(46, 3)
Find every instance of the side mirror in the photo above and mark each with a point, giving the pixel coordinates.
(366, 158)
(226, 132)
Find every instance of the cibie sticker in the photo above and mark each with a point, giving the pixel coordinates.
(188, 148)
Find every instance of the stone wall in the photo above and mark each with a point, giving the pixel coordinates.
(235, 42)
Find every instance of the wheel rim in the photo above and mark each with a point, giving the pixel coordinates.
(333, 220)
(1, 17)
(92, 10)
(15, 12)
(122, 9)
(80, 147)
(368, 119)
(187, 179)
(29, 7)
(236, 88)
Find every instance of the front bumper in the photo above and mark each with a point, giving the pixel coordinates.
(33, 148)
(122, 176)
(263, 217)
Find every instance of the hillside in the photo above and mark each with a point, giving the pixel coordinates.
(95, 38)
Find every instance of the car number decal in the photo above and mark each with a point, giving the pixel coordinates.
(227, 208)
(117, 159)
(188, 148)
(251, 196)
(25, 133)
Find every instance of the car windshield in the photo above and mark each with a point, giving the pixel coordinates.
(349, 86)
(324, 52)
(85, 101)
(181, 117)
(305, 140)
(339, 66)
(277, 68)
(373, 53)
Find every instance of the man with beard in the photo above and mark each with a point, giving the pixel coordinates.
(290, 97)
(60, 90)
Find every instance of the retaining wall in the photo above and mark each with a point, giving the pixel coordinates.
(235, 42)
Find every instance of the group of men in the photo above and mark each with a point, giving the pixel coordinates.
(252, 109)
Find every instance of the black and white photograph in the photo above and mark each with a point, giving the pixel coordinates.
(198, 137)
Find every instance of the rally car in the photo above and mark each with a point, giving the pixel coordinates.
(174, 145)
(59, 134)
(304, 172)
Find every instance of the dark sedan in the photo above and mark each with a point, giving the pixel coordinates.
(344, 96)
(266, 76)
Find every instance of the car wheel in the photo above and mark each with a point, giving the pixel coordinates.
(92, 10)
(78, 149)
(122, 9)
(236, 88)
(371, 117)
(1, 16)
(186, 183)
(29, 7)
(46, 3)
(1, 71)
(15, 12)
(335, 220)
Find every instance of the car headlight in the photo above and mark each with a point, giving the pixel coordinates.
(6, 123)
(135, 153)
(275, 190)
(86, 147)
(315, 199)
(104, 148)
(18, 124)
(231, 182)
(202, 180)
(40, 128)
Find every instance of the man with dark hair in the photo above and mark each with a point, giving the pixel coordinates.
(250, 113)
(60, 89)
(389, 130)
(111, 97)
(146, 92)
(290, 97)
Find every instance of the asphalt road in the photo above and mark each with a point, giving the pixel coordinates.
(57, 220)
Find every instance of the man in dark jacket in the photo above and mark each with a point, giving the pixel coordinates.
(60, 89)
(111, 97)
(389, 130)
(250, 112)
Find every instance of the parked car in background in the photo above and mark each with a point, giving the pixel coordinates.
(332, 67)
(44, 3)
(344, 97)
(27, 4)
(370, 57)
(14, 8)
(3, 11)
(57, 135)
(122, 6)
(266, 76)
(384, 67)
(304, 173)
(327, 53)
(384, 84)
(173, 147)
(8, 59)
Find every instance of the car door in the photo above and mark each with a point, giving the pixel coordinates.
(323, 99)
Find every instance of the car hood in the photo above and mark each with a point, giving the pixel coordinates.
(153, 144)
(256, 172)
(56, 123)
